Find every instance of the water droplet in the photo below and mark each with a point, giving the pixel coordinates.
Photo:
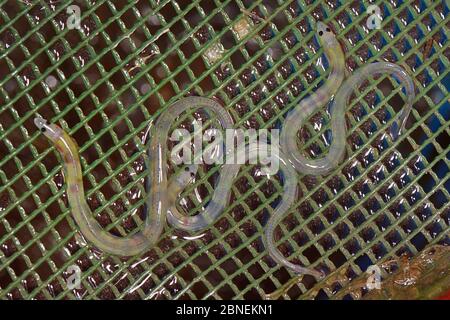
(242, 28)
(214, 53)
(145, 87)
(10, 86)
(154, 20)
(51, 81)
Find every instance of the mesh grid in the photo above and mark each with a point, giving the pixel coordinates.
(132, 59)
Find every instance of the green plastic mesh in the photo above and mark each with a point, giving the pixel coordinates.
(130, 60)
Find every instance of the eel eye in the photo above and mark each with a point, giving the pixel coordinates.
(43, 129)
(320, 33)
(192, 174)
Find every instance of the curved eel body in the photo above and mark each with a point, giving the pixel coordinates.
(157, 198)
(337, 149)
(310, 105)
(81, 212)
(222, 190)
(332, 86)
(162, 194)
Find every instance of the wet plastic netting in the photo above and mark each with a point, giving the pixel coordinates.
(103, 80)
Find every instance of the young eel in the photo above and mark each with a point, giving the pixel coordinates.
(311, 104)
(162, 194)
(158, 196)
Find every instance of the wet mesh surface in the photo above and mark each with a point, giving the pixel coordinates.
(131, 60)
